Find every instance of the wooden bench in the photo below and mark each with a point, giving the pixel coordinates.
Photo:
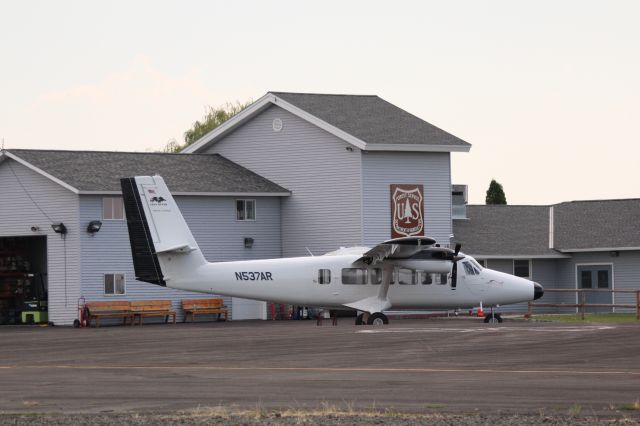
(204, 306)
(152, 308)
(108, 309)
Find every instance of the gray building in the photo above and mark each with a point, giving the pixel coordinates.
(578, 244)
(338, 154)
(292, 172)
(42, 188)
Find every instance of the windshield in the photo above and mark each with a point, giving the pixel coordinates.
(476, 264)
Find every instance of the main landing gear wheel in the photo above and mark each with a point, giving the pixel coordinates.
(360, 319)
(492, 318)
(378, 319)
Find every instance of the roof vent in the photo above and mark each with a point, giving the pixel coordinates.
(277, 124)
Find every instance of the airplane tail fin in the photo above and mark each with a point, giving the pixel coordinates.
(162, 245)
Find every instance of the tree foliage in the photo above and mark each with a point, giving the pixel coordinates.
(212, 119)
(495, 194)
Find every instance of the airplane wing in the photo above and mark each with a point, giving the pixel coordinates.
(397, 248)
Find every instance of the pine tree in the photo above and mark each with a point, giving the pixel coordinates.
(495, 194)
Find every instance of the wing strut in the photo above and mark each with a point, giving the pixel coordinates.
(380, 302)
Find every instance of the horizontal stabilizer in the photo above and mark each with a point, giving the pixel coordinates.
(182, 248)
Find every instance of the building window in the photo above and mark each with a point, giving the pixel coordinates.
(246, 209)
(354, 276)
(603, 279)
(114, 284)
(482, 262)
(324, 276)
(522, 268)
(112, 208)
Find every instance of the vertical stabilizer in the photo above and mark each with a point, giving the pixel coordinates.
(156, 229)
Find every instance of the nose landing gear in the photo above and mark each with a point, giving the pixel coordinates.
(492, 317)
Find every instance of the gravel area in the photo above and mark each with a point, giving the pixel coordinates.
(311, 419)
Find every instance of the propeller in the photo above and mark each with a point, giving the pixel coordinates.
(454, 269)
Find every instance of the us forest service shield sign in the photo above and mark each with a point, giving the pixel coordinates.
(407, 210)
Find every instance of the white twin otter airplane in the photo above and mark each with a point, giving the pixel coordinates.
(403, 273)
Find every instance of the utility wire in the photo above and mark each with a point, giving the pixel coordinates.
(27, 192)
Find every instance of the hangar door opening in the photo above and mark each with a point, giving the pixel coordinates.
(23, 280)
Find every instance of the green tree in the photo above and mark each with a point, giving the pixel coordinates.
(495, 194)
(212, 119)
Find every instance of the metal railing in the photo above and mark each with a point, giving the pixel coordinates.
(583, 305)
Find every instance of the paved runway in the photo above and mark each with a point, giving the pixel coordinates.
(447, 365)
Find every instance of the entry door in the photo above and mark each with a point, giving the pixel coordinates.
(597, 277)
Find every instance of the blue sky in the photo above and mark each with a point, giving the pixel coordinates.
(546, 91)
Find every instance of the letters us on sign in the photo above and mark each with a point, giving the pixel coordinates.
(407, 210)
(254, 276)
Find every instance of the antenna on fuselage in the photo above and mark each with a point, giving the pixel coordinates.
(309, 251)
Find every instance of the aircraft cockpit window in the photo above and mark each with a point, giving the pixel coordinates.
(354, 276)
(426, 278)
(476, 265)
(443, 279)
(407, 276)
(468, 268)
(324, 276)
(375, 276)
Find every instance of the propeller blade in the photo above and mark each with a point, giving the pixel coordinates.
(454, 268)
(454, 275)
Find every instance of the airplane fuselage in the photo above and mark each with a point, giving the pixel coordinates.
(298, 281)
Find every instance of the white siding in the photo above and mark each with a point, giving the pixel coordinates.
(381, 169)
(214, 226)
(18, 214)
(324, 210)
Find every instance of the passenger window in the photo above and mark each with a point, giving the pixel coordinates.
(375, 276)
(426, 278)
(324, 276)
(354, 276)
(443, 279)
(406, 276)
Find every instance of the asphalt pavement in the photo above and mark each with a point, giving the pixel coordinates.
(414, 366)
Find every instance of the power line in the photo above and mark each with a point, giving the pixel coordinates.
(27, 192)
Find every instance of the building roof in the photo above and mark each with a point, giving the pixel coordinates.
(523, 231)
(368, 122)
(589, 225)
(372, 119)
(100, 171)
(505, 231)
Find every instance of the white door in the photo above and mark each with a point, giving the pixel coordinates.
(242, 309)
